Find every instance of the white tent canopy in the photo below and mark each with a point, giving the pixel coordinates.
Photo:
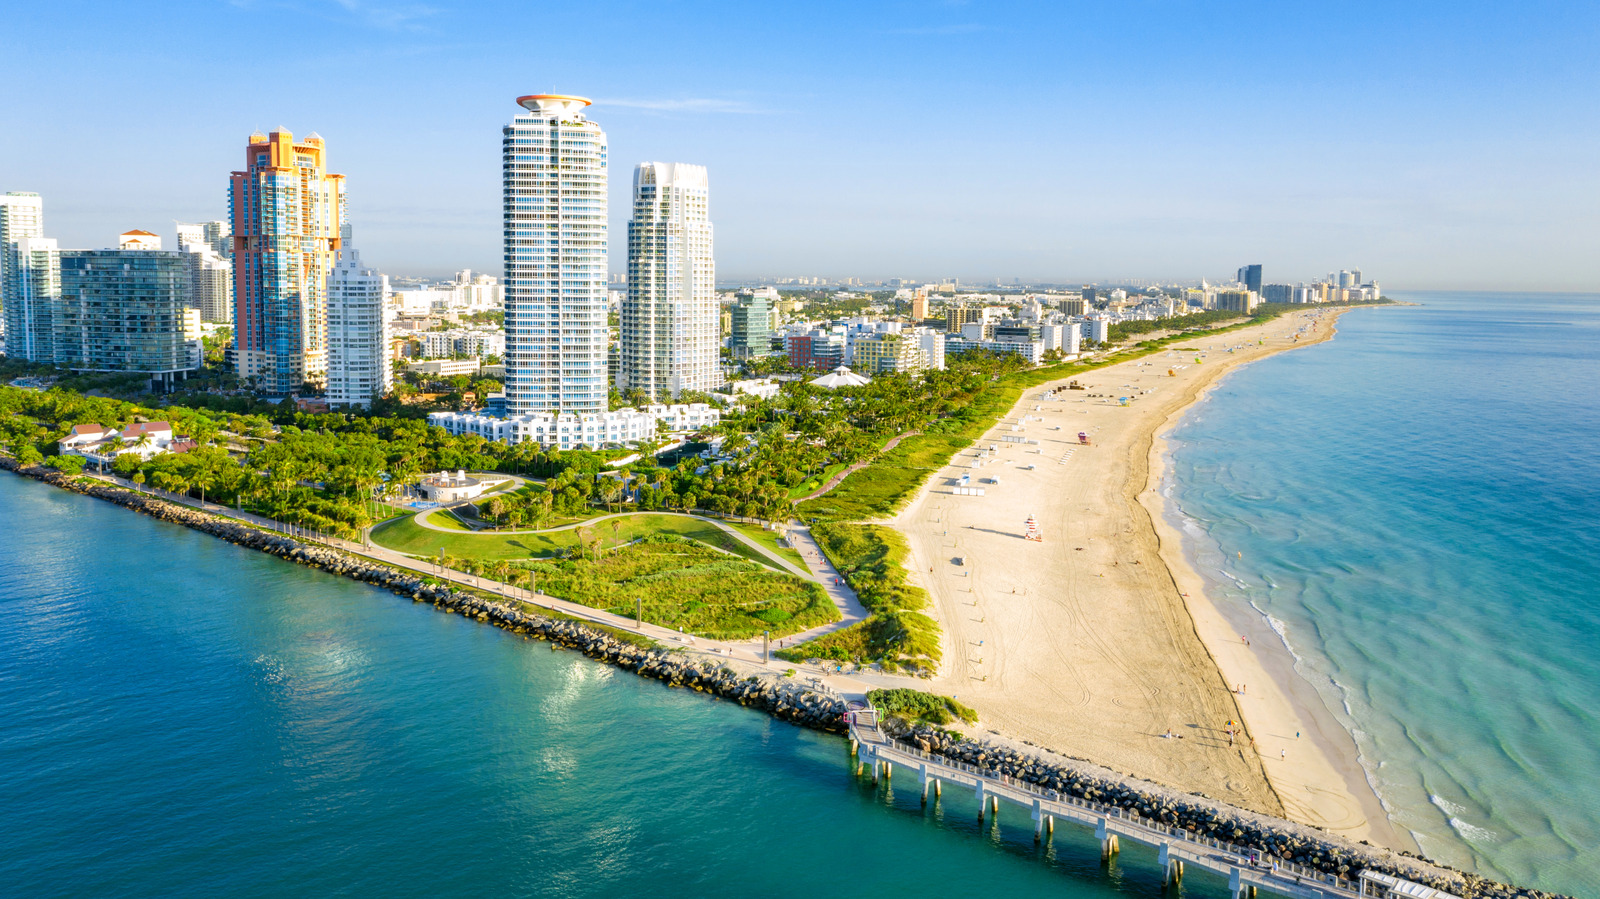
(840, 377)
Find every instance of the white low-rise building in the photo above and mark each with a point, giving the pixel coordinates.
(1096, 328)
(1031, 350)
(569, 430)
(101, 445)
(760, 388)
(450, 486)
(932, 343)
(681, 418)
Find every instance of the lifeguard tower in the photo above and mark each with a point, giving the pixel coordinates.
(1031, 531)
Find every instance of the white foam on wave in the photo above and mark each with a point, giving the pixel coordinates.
(1280, 628)
(1473, 833)
(1344, 696)
(1450, 809)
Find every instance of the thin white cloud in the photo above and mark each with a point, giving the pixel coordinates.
(690, 104)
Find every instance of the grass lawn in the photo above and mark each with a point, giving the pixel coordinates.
(405, 535)
(685, 584)
(444, 519)
(813, 484)
(896, 634)
(769, 539)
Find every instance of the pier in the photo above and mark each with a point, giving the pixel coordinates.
(1246, 870)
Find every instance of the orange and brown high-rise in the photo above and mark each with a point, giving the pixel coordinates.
(287, 213)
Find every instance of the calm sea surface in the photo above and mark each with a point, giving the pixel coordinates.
(1417, 506)
(182, 717)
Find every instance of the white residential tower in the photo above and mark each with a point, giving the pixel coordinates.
(555, 258)
(21, 216)
(671, 332)
(358, 333)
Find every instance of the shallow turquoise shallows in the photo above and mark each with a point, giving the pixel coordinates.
(182, 717)
(1416, 504)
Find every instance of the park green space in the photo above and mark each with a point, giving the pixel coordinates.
(768, 539)
(443, 518)
(678, 582)
(814, 483)
(896, 633)
(405, 535)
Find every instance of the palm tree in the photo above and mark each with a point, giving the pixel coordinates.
(203, 476)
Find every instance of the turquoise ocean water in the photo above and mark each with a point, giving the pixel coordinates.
(182, 717)
(1416, 506)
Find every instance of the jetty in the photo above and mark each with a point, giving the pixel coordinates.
(1247, 870)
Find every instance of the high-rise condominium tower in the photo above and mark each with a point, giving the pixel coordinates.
(207, 247)
(286, 210)
(21, 216)
(216, 235)
(670, 325)
(1250, 277)
(358, 333)
(555, 257)
(127, 310)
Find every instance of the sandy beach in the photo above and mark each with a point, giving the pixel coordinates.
(1098, 641)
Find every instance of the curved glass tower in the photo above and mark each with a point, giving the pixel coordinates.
(555, 257)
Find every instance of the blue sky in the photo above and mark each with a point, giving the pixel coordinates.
(1429, 144)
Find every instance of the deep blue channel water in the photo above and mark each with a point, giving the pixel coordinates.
(1416, 505)
(183, 717)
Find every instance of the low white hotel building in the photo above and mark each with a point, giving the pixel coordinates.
(568, 430)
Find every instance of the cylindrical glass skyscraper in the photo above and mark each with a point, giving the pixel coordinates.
(555, 258)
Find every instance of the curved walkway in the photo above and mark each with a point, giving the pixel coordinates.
(837, 479)
(851, 610)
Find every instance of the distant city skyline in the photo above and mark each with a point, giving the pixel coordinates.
(943, 138)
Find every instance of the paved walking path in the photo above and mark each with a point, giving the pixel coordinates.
(822, 571)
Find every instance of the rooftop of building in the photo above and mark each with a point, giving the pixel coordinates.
(553, 102)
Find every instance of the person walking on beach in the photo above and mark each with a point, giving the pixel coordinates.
(1283, 754)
